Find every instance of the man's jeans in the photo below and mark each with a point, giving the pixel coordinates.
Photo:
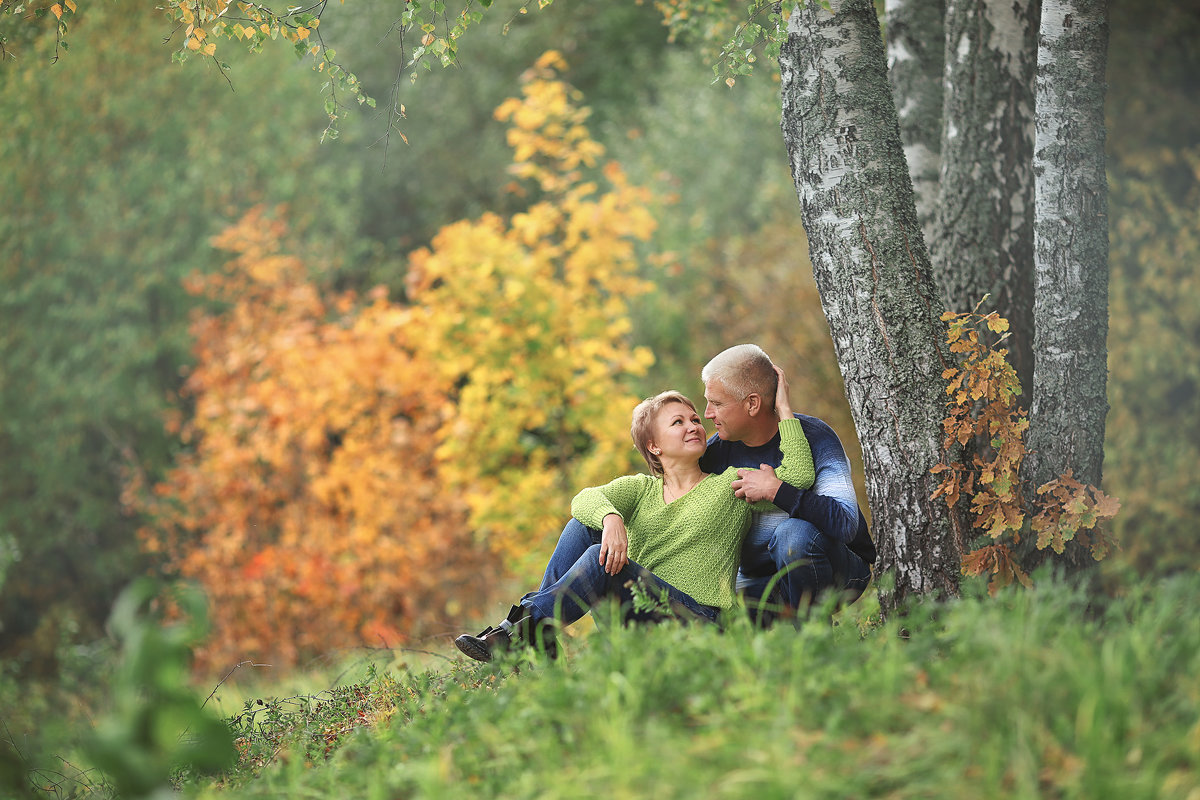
(798, 564)
(575, 582)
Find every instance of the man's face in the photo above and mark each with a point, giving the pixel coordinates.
(728, 414)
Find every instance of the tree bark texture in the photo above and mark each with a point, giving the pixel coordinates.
(916, 56)
(872, 269)
(984, 223)
(1066, 430)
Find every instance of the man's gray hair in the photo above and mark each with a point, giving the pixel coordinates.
(743, 370)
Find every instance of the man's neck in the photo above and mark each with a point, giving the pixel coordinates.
(762, 433)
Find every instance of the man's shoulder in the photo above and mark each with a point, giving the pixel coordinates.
(823, 441)
(814, 426)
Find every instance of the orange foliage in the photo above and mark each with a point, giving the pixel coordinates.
(308, 507)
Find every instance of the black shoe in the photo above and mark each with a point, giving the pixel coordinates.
(481, 647)
(517, 626)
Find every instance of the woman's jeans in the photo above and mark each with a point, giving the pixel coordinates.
(575, 581)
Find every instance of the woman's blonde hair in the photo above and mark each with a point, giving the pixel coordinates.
(642, 429)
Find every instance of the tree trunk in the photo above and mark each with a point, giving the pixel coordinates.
(984, 226)
(872, 269)
(916, 55)
(1066, 430)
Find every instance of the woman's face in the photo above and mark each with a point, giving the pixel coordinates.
(679, 432)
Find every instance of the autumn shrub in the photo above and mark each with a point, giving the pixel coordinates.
(984, 450)
(307, 505)
(358, 469)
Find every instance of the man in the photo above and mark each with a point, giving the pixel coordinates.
(817, 541)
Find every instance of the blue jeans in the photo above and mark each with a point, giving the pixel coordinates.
(575, 581)
(574, 539)
(803, 563)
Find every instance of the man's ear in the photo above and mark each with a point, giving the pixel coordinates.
(753, 404)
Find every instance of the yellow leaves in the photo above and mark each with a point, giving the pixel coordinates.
(551, 60)
(548, 133)
(1070, 509)
(996, 560)
(56, 10)
(982, 390)
(195, 41)
(529, 318)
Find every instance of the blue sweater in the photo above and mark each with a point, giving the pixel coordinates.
(830, 505)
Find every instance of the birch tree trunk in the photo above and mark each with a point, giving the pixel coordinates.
(984, 227)
(1066, 430)
(916, 55)
(872, 269)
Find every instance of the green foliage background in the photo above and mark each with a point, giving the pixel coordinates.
(116, 168)
(1153, 431)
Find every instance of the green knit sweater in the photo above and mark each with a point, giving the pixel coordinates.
(694, 542)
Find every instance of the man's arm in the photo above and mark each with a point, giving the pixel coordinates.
(831, 504)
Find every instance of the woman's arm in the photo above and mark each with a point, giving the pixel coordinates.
(620, 496)
(607, 507)
(797, 467)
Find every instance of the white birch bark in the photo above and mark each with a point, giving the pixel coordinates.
(984, 225)
(915, 53)
(873, 273)
(1071, 313)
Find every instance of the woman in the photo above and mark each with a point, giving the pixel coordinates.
(682, 528)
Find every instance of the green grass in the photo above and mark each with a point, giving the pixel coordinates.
(1029, 695)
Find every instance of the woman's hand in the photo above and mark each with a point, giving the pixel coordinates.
(783, 402)
(614, 544)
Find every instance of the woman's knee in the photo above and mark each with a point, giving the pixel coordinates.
(578, 534)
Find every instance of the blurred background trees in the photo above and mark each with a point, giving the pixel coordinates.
(118, 169)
